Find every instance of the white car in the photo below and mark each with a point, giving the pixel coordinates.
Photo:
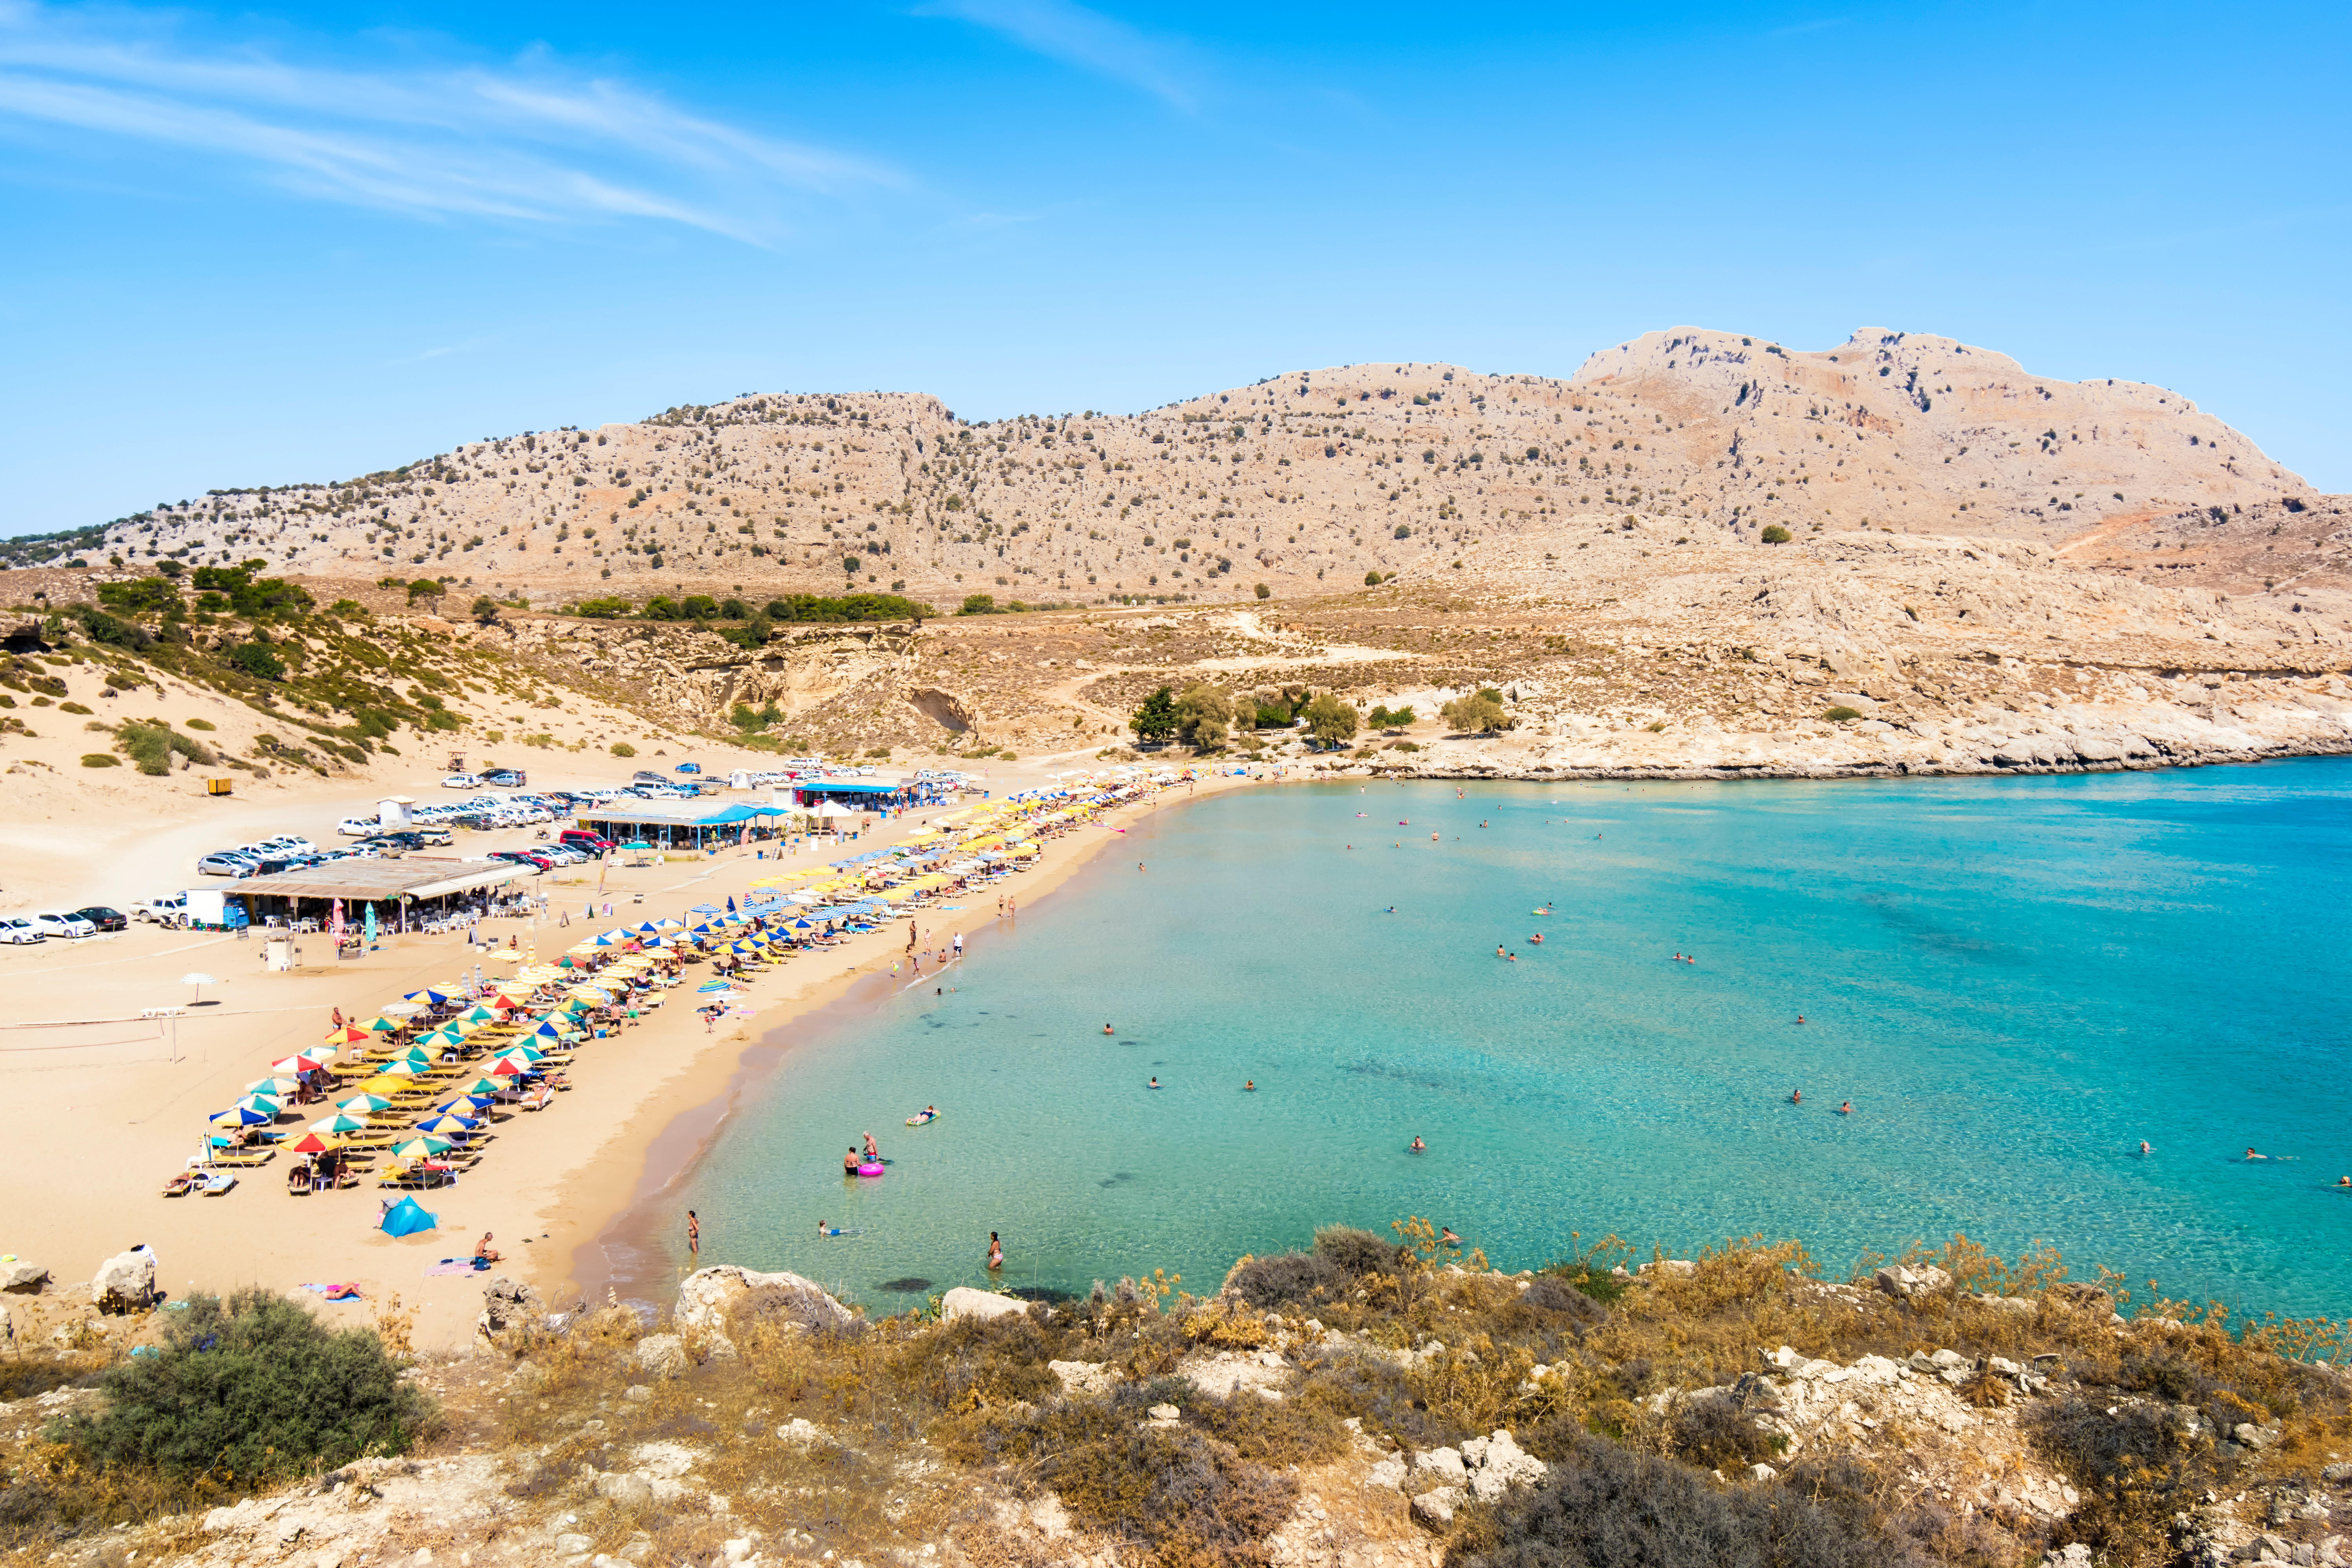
(18, 928)
(358, 826)
(54, 924)
(289, 844)
(461, 781)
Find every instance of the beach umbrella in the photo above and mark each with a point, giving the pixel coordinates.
(470, 1101)
(264, 1103)
(413, 1051)
(482, 1086)
(422, 1148)
(345, 1035)
(384, 1025)
(407, 1216)
(341, 1121)
(431, 996)
(402, 1068)
(511, 1067)
(401, 1009)
(447, 1122)
(276, 1088)
(502, 1001)
(443, 1038)
(315, 1144)
(481, 1015)
(241, 1115)
(199, 980)
(364, 1104)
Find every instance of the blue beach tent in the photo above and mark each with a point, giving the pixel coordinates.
(406, 1217)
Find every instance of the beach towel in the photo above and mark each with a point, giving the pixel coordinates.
(345, 1292)
(450, 1266)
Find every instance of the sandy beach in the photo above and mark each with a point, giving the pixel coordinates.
(108, 1104)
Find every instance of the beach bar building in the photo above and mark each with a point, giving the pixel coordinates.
(405, 891)
(861, 794)
(681, 824)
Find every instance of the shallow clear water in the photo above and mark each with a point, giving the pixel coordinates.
(2014, 981)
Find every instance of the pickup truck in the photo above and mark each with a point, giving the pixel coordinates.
(168, 909)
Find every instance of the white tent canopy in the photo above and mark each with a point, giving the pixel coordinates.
(833, 808)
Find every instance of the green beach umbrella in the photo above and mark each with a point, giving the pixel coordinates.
(364, 1104)
(340, 1123)
(481, 1086)
(419, 1147)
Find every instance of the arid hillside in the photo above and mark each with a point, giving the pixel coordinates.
(1317, 477)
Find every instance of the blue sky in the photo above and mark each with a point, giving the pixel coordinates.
(261, 246)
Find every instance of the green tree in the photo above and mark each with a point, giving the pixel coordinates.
(1774, 534)
(1204, 716)
(1371, 579)
(256, 659)
(251, 1388)
(699, 607)
(422, 588)
(660, 608)
(750, 719)
(852, 565)
(485, 609)
(978, 605)
(147, 595)
(1264, 592)
(1482, 711)
(1389, 719)
(605, 609)
(1330, 720)
(1156, 720)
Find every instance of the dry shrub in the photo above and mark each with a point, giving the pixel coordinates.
(1191, 1499)
(2135, 1465)
(970, 1363)
(1289, 1278)
(1378, 1392)
(1607, 1508)
(1357, 1252)
(1714, 1433)
(1225, 1324)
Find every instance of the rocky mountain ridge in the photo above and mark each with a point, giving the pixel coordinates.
(1305, 480)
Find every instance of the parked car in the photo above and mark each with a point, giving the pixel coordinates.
(384, 848)
(53, 923)
(357, 827)
(690, 767)
(18, 928)
(461, 781)
(530, 857)
(580, 837)
(290, 844)
(164, 911)
(506, 778)
(226, 864)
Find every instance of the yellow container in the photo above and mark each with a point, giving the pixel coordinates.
(217, 786)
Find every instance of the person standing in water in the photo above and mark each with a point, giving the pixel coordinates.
(693, 1235)
(995, 1252)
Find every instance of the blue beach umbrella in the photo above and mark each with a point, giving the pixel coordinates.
(446, 1124)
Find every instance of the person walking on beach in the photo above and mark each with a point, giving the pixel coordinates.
(959, 945)
(693, 1235)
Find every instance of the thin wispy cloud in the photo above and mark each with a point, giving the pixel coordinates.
(529, 142)
(1075, 35)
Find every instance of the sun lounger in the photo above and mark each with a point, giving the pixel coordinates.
(245, 1160)
(215, 1185)
(182, 1184)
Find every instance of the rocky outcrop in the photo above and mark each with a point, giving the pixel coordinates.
(963, 1302)
(125, 1282)
(711, 1299)
(23, 1278)
(512, 1315)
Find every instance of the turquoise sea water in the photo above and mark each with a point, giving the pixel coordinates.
(2013, 981)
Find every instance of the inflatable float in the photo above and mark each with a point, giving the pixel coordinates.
(923, 1119)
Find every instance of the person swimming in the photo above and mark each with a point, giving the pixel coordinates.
(825, 1230)
(1446, 1236)
(1418, 1146)
(1846, 1109)
(1796, 1096)
(1536, 938)
(1510, 958)
(2252, 1155)
(2144, 1148)
(1155, 1083)
(1107, 1028)
(1498, 950)
(1249, 1086)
